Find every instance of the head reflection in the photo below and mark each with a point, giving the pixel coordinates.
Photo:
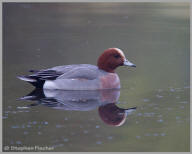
(104, 100)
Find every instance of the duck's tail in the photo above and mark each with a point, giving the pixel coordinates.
(35, 82)
(26, 78)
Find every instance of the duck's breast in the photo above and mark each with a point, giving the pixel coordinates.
(110, 81)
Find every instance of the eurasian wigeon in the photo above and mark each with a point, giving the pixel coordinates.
(82, 76)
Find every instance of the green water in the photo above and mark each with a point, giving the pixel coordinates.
(154, 36)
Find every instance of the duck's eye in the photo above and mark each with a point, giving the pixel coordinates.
(117, 56)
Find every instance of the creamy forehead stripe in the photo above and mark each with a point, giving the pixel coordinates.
(120, 52)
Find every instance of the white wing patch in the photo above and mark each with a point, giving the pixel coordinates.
(49, 85)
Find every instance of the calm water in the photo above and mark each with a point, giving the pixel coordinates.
(154, 36)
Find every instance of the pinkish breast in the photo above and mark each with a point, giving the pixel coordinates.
(110, 81)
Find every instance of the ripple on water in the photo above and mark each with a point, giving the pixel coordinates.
(9, 107)
(138, 137)
(172, 90)
(22, 107)
(55, 141)
(139, 114)
(58, 126)
(99, 142)
(125, 17)
(186, 87)
(97, 135)
(15, 126)
(65, 139)
(97, 126)
(39, 133)
(169, 108)
(18, 142)
(152, 104)
(184, 102)
(34, 122)
(45, 123)
(149, 114)
(145, 100)
(160, 120)
(58, 145)
(182, 107)
(163, 134)
(147, 134)
(29, 126)
(25, 132)
(178, 89)
(85, 131)
(177, 117)
(155, 134)
(110, 137)
(30, 122)
(159, 96)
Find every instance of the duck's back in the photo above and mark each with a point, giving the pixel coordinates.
(79, 71)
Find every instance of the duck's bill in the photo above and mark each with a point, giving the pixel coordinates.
(128, 63)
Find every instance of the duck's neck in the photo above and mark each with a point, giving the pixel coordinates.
(106, 69)
(105, 64)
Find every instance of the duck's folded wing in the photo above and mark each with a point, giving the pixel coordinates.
(45, 75)
(80, 73)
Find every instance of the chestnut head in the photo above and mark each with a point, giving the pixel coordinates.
(111, 58)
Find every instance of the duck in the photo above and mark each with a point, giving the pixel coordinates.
(81, 76)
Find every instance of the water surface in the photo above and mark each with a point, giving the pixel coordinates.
(154, 36)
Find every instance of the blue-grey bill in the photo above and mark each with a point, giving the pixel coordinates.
(128, 63)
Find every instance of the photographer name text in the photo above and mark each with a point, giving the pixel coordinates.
(28, 148)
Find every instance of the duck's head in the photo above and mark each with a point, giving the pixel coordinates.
(111, 58)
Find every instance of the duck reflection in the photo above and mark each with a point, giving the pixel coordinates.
(104, 100)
